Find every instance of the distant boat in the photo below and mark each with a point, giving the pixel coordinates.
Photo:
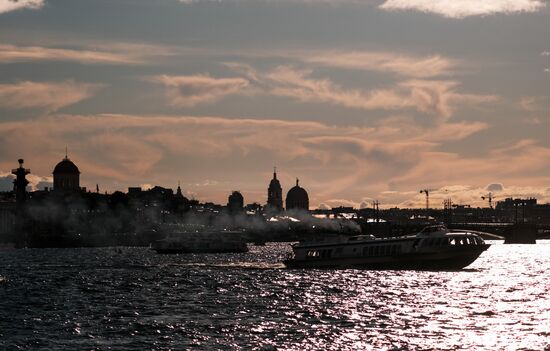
(201, 242)
(433, 248)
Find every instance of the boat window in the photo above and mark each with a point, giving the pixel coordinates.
(376, 250)
(371, 251)
(452, 241)
(313, 253)
(365, 251)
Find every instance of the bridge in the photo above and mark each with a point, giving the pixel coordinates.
(518, 233)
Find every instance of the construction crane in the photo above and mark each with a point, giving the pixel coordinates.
(427, 192)
(489, 197)
(376, 209)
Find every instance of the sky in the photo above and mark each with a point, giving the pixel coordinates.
(360, 100)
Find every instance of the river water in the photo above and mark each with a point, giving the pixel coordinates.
(134, 299)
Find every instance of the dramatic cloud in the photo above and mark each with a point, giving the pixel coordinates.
(405, 65)
(47, 95)
(435, 97)
(6, 181)
(327, 2)
(495, 187)
(12, 5)
(465, 8)
(333, 162)
(338, 165)
(446, 8)
(35, 182)
(187, 91)
(13, 53)
(533, 103)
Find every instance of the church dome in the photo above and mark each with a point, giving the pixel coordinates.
(66, 166)
(297, 198)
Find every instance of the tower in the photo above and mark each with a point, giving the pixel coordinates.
(275, 193)
(20, 184)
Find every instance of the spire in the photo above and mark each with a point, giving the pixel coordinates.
(66, 153)
(274, 172)
(297, 181)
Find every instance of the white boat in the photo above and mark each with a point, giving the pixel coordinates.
(433, 248)
(201, 242)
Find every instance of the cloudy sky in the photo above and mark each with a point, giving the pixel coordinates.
(359, 99)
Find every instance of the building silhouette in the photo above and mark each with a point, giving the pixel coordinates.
(297, 198)
(20, 184)
(275, 193)
(66, 176)
(235, 202)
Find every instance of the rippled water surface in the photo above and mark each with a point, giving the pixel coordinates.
(134, 299)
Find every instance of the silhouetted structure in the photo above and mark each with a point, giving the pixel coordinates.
(20, 184)
(66, 176)
(275, 193)
(235, 202)
(19, 187)
(297, 198)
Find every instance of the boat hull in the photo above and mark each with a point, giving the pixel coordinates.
(454, 258)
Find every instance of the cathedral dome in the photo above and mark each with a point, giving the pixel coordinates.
(297, 198)
(66, 176)
(66, 166)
